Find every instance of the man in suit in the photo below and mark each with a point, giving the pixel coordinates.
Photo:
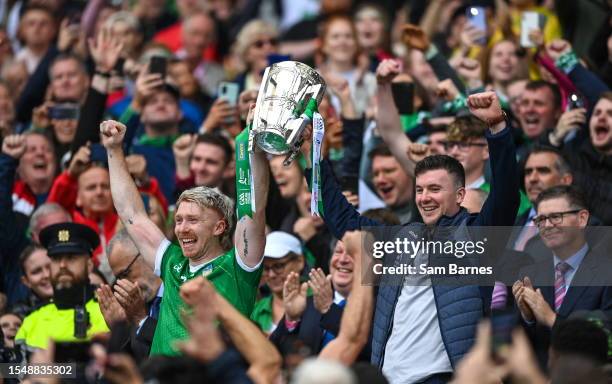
(138, 291)
(575, 278)
(315, 320)
(545, 167)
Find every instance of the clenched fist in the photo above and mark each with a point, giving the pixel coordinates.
(113, 133)
(14, 146)
(387, 70)
(486, 107)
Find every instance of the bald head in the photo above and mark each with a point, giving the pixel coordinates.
(126, 262)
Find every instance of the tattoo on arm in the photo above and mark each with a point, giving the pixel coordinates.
(246, 243)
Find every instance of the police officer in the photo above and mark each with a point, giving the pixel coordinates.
(73, 314)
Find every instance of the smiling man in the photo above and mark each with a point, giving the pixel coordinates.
(577, 277)
(203, 227)
(421, 330)
(394, 186)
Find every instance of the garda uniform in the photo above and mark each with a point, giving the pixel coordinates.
(65, 318)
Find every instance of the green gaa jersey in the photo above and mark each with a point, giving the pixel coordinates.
(231, 277)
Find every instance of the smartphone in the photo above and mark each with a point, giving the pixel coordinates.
(574, 101)
(403, 96)
(66, 111)
(478, 18)
(530, 21)
(98, 153)
(503, 322)
(72, 352)
(228, 91)
(274, 58)
(158, 64)
(350, 183)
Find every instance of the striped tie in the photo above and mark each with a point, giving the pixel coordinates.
(560, 288)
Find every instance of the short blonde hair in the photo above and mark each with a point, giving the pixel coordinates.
(206, 197)
(249, 33)
(123, 17)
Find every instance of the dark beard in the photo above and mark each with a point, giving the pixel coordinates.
(69, 297)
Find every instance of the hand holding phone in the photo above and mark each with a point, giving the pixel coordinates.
(529, 22)
(477, 17)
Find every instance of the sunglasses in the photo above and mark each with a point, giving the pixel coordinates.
(261, 43)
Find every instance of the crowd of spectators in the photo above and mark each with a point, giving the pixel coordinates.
(122, 250)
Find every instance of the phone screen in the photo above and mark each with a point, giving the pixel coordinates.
(477, 17)
(158, 65)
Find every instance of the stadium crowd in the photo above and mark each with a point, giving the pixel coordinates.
(122, 250)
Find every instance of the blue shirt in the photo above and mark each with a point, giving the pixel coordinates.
(574, 262)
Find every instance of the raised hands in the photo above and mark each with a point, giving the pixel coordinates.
(14, 146)
(471, 71)
(221, 113)
(80, 161)
(447, 90)
(414, 37)
(323, 294)
(486, 107)
(112, 311)
(387, 70)
(418, 151)
(130, 297)
(569, 121)
(137, 167)
(294, 297)
(105, 50)
(113, 133)
(146, 83)
(557, 48)
(182, 148)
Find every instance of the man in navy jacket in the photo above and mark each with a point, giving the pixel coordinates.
(422, 330)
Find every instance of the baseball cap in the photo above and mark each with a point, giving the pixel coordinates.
(279, 244)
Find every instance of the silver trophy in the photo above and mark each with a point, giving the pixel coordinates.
(281, 112)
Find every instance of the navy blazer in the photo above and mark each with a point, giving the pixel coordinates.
(590, 290)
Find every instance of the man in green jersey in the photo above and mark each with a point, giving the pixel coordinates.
(203, 224)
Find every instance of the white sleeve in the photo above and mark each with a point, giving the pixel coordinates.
(242, 264)
(159, 255)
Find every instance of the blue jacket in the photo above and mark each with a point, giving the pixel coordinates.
(459, 308)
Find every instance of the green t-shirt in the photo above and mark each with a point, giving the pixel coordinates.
(232, 279)
(262, 314)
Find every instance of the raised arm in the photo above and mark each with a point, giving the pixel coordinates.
(250, 237)
(502, 204)
(388, 118)
(128, 203)
(357, 316)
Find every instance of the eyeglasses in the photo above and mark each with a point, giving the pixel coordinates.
(463, 145)
(555, 218)
(277, 267)
(262, 42)
(123, 274)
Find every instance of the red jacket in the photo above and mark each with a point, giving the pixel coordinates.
(24, 200)
(64, 192)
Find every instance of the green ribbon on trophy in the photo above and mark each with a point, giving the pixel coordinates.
(245, 199)
(318, 131)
